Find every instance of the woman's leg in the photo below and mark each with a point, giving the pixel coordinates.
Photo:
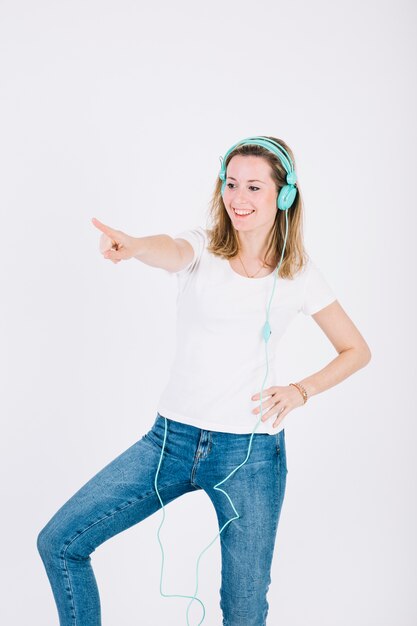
(117, 497)
(247, 544)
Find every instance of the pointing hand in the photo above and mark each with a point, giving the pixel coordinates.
(115, 244)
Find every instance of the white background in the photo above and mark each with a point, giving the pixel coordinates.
(120, 110)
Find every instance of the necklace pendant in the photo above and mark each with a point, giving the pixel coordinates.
(253, 275)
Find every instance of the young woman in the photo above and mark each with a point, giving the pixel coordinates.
(223, 407)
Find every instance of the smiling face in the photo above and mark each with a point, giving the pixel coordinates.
(250, 188)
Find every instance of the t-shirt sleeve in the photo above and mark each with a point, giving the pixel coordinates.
(317, 291)
(197, 238)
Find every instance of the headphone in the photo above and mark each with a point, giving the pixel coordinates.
(285, 200)
(288, 192)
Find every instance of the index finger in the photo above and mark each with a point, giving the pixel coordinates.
(105, 229)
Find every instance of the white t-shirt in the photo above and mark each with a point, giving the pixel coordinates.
(220, 358)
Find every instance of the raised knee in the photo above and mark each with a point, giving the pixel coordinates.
(42, 542)
(54, 541)
(50, 541)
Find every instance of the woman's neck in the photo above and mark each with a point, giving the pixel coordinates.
(253, 247)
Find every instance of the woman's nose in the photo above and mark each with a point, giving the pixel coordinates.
(241, 196)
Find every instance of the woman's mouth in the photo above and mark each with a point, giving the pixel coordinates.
(243, 213)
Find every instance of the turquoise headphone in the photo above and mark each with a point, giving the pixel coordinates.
(285, 200)
(288, 192)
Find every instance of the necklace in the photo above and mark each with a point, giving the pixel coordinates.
(253, 275)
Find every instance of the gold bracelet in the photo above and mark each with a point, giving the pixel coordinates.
(301, 390)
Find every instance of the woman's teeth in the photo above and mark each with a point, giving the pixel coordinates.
(242, 213)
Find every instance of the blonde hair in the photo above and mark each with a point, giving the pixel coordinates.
(222, 237)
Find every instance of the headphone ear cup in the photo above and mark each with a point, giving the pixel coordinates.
(286, 197)
(223, 187)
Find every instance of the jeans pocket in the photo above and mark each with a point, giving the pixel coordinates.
(156, 433)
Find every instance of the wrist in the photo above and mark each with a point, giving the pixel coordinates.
(302, 390)
(138, 248)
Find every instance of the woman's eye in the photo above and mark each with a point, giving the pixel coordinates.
(251, 186)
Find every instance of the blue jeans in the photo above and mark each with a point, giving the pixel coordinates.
(123, 494)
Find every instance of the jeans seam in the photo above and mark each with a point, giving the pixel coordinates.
(280, 451)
